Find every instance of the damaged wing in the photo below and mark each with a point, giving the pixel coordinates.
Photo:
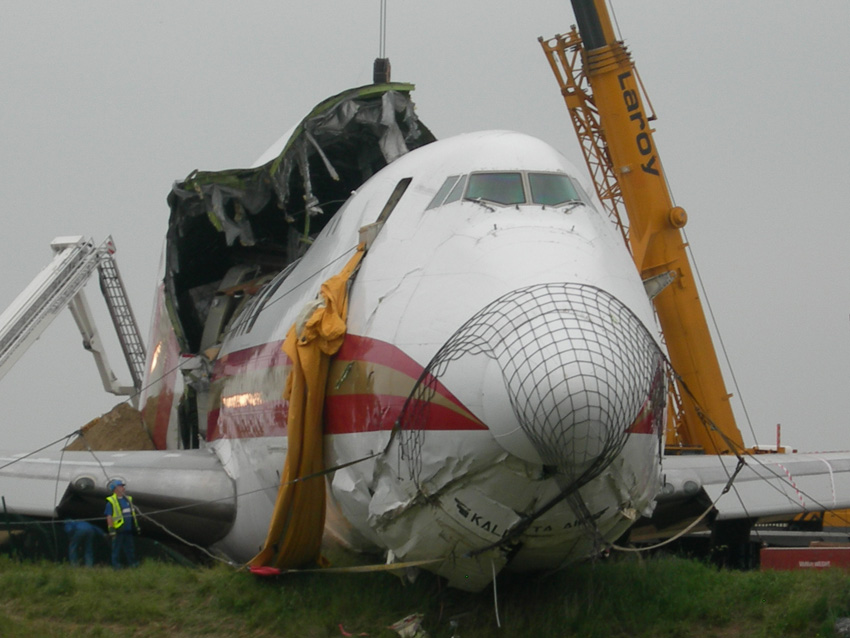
(186, 492)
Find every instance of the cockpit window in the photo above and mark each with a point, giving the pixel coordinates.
(551, 189)
(582, 194)
(511, 188)
(444, 190)
(499, 188)
(457, 191)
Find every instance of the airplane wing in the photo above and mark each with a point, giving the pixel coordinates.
(765, 487)
(186, 492)
(767, 484)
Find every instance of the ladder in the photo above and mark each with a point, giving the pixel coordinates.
(123, 319)
(61, 284)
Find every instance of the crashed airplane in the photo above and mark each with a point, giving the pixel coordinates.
(437, 352)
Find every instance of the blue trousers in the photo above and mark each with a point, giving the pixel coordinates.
(85, 537)
(123, 543)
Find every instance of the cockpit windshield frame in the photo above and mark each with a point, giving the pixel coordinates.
(511, 188)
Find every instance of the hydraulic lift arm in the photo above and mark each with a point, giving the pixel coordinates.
(61, 283)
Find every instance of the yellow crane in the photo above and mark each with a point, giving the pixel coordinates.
(607, 105)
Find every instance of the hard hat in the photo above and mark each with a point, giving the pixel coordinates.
(115, 483)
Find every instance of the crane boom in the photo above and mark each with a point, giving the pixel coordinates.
(614, 127)
(61, 283)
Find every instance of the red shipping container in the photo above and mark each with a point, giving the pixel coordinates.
(785, 558)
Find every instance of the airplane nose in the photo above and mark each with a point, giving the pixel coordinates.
(576, 366)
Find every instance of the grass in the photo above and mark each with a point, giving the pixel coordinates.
(656, 597)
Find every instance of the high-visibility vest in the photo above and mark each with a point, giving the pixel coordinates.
(117, 514)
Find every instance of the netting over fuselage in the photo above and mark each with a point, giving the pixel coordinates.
(579, 368)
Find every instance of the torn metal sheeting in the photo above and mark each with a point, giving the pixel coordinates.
(267, 216)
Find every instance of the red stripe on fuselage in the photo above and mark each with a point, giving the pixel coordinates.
(643, 424)
(344, 413)
(649, 419)
(260, 357)
(357, 348)
(242, 423)
(358, 413)
(161, 378)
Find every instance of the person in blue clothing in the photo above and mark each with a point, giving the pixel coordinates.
(81, 533)
(122, 524)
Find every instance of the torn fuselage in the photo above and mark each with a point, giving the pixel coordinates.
(488, 270)
(231, 231)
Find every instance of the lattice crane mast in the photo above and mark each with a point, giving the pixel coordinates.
(605, 100)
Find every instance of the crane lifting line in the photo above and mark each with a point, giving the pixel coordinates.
(382, 43)
(719, 335)
(614, 16)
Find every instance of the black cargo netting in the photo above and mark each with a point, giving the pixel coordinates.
(578, 367)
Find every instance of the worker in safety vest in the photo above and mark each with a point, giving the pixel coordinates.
(122, 524)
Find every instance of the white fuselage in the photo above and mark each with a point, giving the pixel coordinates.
(537, 436)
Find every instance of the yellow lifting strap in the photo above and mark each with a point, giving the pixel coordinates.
(295, 531)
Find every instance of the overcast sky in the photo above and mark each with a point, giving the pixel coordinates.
(105, 104)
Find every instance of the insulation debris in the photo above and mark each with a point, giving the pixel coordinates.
(121, 428)
(410, 627)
